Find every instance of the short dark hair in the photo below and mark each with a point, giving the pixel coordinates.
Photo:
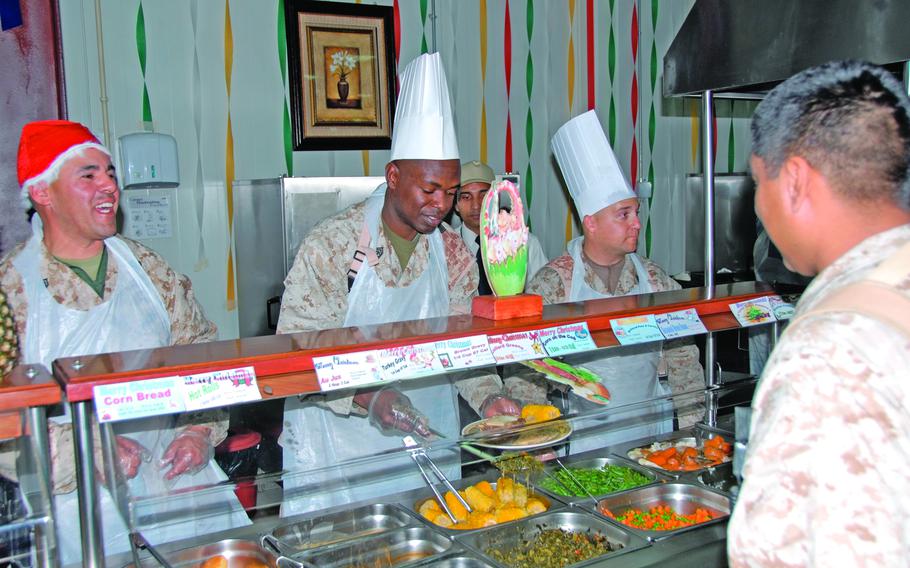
(850, 120)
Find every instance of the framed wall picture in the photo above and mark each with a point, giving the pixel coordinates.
(341, 63)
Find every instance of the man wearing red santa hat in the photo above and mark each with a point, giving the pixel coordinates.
(78, 288)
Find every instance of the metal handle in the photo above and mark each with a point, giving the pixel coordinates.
(268, 311)
(578, 483)
(269, 542)
(140, 542)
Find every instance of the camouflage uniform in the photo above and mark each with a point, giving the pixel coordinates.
(188, 325)
(554, 282)
(828, 463)
(316, 289)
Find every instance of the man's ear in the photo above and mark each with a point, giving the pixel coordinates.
(796, 183)
(39, 193)
(392, 175)
(588, 223)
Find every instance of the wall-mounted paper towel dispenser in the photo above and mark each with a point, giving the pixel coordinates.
(148, 160)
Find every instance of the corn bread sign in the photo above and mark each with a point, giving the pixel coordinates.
(170, 395)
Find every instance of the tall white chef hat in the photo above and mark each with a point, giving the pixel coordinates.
(588, 165)
(424, 129)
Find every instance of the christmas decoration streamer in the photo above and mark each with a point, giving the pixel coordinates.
(611, 66)
(590, 41)
(396, 14)
(483, 80)
(633, 100)
(140, 48)
(231, 299)
(507, 55)
(652, 121)
(529, 121)
(199, 187)
(423, 27)
(570, 82)
(282, 65)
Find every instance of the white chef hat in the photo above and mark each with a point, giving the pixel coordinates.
(588, 165)
(424, 129)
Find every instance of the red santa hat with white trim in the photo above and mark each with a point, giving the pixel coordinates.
(44, 147)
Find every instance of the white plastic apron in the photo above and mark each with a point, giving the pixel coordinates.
(630, 374)
(315, 437)
(133, 317)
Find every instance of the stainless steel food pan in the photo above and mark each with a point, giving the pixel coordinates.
(401, 547)
(720, 478)
(682, 497)
(414, 505)
(595, 463)
(514, 534)
(460, 560)
(695, 436)
(238, 553)
(339, 526)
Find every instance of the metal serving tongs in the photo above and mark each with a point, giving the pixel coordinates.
(575, 481)
(139, 543)
(419, 454)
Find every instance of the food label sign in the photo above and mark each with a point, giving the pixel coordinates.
(636, 329)
(465, 352)
(513, 347)
(680, 324)
(782, 309)
(753, 312)
(220, 388)
(565, 339)
(409, 362)
(138, 399)
(347, 370)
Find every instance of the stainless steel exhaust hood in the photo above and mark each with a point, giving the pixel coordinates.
(749, 45)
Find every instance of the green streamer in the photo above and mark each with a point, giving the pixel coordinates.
(423, 33)
(286, 114)
(529, 76)
(141, 50)
(611, 52)
(530, 20)
(611, 122)
(282, 44)
(529, 120)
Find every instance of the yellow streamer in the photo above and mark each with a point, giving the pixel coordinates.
(483, 40)
(365, 156)
(483, 134)
(231, 299)
(569, 225)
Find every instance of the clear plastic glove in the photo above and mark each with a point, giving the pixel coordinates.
(130, 455)
(390, 411)
(188, 453)
(499, 405)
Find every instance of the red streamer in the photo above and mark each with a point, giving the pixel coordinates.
(589, 24)
(507, 51)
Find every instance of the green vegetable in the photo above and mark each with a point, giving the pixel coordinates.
(552, 548)
(597, 481)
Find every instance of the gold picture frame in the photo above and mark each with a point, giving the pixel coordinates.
(342, 67)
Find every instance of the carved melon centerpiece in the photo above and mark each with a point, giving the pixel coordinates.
(504, 241)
